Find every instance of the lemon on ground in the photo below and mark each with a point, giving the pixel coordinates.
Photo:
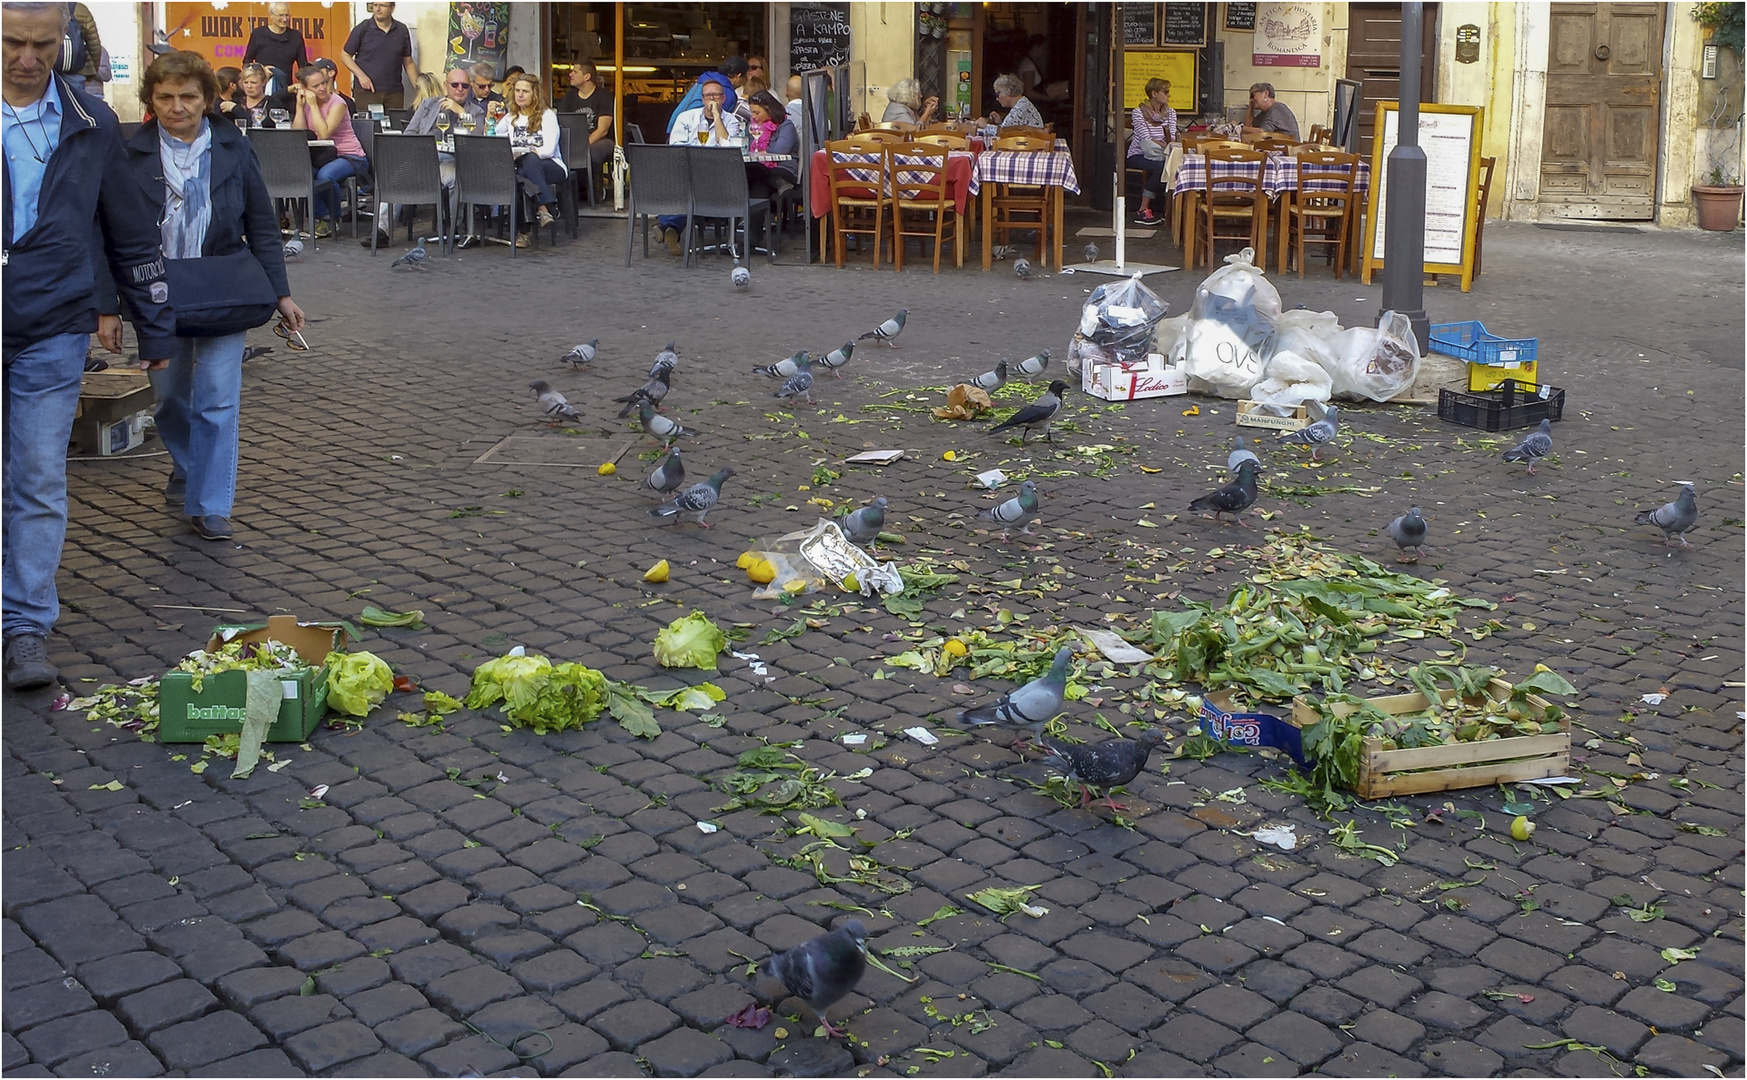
(762, 572)
(747, 558)
(851, 583)
(657, 573)
(607, 469)
(950, 455)
(955, 647)
(1521, 828)
(794, 586)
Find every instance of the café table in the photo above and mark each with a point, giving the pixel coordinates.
(1279, 178)
(1051, 169)
(960, 175)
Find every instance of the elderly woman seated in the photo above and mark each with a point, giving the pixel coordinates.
(1010, 92)
(908, 105)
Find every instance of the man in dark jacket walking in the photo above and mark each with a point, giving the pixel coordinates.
(64, 172)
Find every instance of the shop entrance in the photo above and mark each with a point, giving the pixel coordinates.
(1374, 58)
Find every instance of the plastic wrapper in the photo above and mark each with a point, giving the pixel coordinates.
(1232, 317)
(1118, 320)
(1298, 358)
(809, 559)
(1376, 363)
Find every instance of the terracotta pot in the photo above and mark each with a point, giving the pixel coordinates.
(1718, 206)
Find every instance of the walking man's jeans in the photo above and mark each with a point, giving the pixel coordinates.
(199, 397)
(41, 395)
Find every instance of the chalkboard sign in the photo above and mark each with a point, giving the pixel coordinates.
(1185, 24)
(1140, 24)
(818, 36)
(1240, 16)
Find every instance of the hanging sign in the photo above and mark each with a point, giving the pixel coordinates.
(1287, 35)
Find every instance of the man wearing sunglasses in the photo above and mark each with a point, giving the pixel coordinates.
(484, 76)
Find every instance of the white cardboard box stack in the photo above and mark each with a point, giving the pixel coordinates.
(1133, 381)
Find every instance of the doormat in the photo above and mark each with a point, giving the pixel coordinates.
(556, 451)
(1105, 230)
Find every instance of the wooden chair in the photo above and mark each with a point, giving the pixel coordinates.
(1034, 132)
(1321, 216)
(878, 136)
(1021, 207)
(947, 139)
(949, 128)
(904, 126)
(1319, 135)
(1241, 199)
(916, 173)
(1221, 144)
(1269, 140)
(1483, 193)
(853, 200)
(863, 122)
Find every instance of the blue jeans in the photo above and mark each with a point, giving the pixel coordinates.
(1155, 172)
(541, 173)
(41, 395)
(199, 397)
(334, 172)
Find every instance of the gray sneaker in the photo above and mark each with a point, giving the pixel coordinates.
(212, 527)
(27, 662)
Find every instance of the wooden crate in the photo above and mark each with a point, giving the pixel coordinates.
(1249, 414)
(1383, 772)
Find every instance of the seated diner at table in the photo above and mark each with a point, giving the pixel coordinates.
(1010, 92)
(712, 123)
(907, 105)
(1154, 126)
(532, 129)
(323, 113)
(1267, 115)
(771, 133)
(458, 104)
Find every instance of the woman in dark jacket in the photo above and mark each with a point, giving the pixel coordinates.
(199, 171)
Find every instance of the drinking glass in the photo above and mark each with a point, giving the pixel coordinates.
(703, 136)
(279, 116)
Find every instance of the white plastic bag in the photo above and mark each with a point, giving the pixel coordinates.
(1233, 314)
(1290, 379)
(1298, 358)
(1376, 363)
(1116, 325)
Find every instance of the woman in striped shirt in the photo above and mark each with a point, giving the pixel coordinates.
(1155, 122)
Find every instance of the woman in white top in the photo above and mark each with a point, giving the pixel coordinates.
(1155, 127)
(532, 129)
(908, 105)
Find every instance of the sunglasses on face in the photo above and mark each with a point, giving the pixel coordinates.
(482, 86)
(457, 84)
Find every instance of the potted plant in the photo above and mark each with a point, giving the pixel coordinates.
(1717, 201)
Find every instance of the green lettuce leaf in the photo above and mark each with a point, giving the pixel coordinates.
(692, 641)
(357, 682)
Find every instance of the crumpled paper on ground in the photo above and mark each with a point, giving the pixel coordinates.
(964, 402)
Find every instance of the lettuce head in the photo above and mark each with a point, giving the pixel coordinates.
(539, 694)
(690, 642)
(357, 682)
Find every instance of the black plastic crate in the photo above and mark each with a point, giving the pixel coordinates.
(1510, 405)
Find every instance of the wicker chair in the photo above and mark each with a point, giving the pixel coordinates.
(719, 190)
(407, 175)
(485, 175)
(283, 154)
(660, 184)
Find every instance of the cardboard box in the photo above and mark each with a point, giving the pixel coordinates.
(1451, 766)
(1250, 414)
(1488, 376)
(1134, 381)
(219, 707)
(114, 407)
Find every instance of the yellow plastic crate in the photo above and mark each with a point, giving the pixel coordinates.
(1488, 376)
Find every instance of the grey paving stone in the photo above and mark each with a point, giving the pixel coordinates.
(46, 1001)
(164, 1004)
(57, 1040)
(127, 1059)
(322, 1048)
(247, 988)
(211, 1038)
(270, 1062)
(633, 1023)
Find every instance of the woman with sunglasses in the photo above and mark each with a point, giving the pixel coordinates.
(212, 202)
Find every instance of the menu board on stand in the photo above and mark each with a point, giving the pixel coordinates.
(1450, 137)
(818, 35)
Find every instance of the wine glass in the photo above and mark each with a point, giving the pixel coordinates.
(279, 116)
(443, 126)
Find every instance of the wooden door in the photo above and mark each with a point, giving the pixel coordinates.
(1374, 59)
(1598, 144)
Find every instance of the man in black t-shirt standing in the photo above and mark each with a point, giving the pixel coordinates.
(588, 96)
(277, 46)
(379, 52)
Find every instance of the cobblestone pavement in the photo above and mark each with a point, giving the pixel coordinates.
(425, 918)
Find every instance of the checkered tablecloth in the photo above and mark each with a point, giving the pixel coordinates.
(1049, 168)
(767, 158)
(1279, 173)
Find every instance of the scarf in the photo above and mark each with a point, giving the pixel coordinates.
(187, 192)
(762, 131)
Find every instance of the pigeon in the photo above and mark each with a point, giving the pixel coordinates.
(863, 526)
(1536, 445)
(553, 402)
(1674, 518)
(293, 249)
(414, 259)
(665, 359)
(822, 971)
(992, 380)
(1030, 706)
(1019, 510)
(1233, 498)
(741, 277)
(783, 369)
(1317, 434)
(836, 358)
(1022, 267)
(696, 500)
(1240, 453)
(1109, 764)
(800, 383)
(652, 392)
(666, 477)
(1408, 531)
(659, 427)
(581, 355)
(1041, 411)
(1032, 366)
(1091, 253)
(889, 330)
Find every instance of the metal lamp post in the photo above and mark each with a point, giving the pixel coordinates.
(1404, 225)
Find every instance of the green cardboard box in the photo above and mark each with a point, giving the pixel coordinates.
(219, 707)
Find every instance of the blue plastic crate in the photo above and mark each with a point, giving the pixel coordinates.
(1470, 341)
